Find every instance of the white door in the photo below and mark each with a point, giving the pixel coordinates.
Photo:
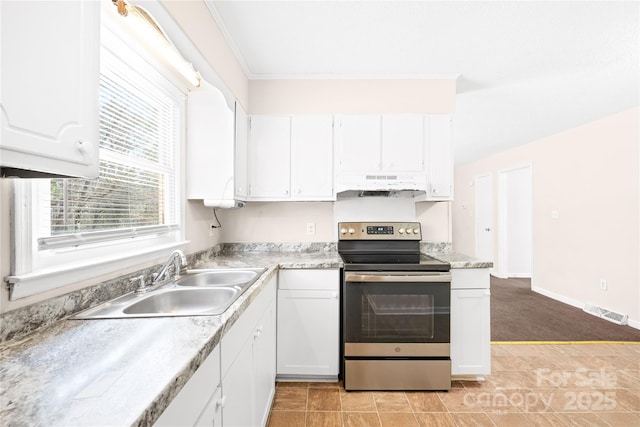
(516, 238)
(484, 217)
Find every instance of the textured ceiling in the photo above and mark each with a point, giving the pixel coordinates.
(527, 69)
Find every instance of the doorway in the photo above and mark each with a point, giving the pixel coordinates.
(515, 219)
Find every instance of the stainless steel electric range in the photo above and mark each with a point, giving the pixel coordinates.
(395, 309)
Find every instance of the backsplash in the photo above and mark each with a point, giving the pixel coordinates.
(436, 247)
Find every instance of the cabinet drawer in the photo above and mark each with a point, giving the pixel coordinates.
(469, 278)
(309, 279)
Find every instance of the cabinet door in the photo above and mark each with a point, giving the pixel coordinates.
(269, 157)
(440, 157)
(312, 157)
(264, 365)
(237, 389)
(212, 414)
(308, 332)
(470, 332)
(209, 151)
(358, 143)
(403, 143)
(195, 397)
(241, 153)
(49, 98)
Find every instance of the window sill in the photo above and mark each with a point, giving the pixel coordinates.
(44, 280)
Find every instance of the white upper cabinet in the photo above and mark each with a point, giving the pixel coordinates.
(269, 157)
(209, 152)
(358, 143)
(49, 86)
(403, 146)
(311, 157)
(290, 157)
(440, 157)
(380, 143)
(380, 152)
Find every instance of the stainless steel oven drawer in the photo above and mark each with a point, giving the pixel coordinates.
(397, 349)
(397, 374)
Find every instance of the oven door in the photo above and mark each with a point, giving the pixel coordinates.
(400, 314)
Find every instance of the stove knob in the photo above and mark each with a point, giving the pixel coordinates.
(351, 231)
(401, 231)
(343, 231)
(415, 231)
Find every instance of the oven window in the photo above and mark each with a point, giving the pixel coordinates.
(386, 316)
(396, 312)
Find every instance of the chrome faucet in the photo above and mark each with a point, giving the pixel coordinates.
(177, 259)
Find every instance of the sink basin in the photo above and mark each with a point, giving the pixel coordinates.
(229, 277)
(204, 292)
(188, 301)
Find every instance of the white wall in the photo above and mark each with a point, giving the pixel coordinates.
(318, 96)
(287, 221)
(589, 175)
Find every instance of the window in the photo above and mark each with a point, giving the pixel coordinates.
(75, 229)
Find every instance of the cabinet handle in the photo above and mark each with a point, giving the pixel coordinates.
(487, 292)
(258, 331)
(334, 295)
(221, 402)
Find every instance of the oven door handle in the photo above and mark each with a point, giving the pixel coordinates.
(357, 277)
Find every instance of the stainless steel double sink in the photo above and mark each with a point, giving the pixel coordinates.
(203, 292)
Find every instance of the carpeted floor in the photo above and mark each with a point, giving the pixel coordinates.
(519, 314)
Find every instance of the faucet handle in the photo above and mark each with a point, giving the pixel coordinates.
(140, 281)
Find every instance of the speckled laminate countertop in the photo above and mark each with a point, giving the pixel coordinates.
(120, 372)
(460, 260)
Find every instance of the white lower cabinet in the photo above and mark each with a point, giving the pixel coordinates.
(248, 363)
(470, 322)
(308, 324)
(199, 402)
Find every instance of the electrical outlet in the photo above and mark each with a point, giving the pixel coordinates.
(311, 228)
(555, 214)
(603, 285)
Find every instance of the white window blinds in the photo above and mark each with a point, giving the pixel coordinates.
(136, 191)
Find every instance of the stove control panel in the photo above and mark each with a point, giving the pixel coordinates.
(379, 231)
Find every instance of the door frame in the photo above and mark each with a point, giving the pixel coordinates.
(488, 175)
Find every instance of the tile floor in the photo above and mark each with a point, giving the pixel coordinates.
(530, 385)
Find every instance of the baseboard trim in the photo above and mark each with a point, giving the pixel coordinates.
(563, 342)
(575, 303)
